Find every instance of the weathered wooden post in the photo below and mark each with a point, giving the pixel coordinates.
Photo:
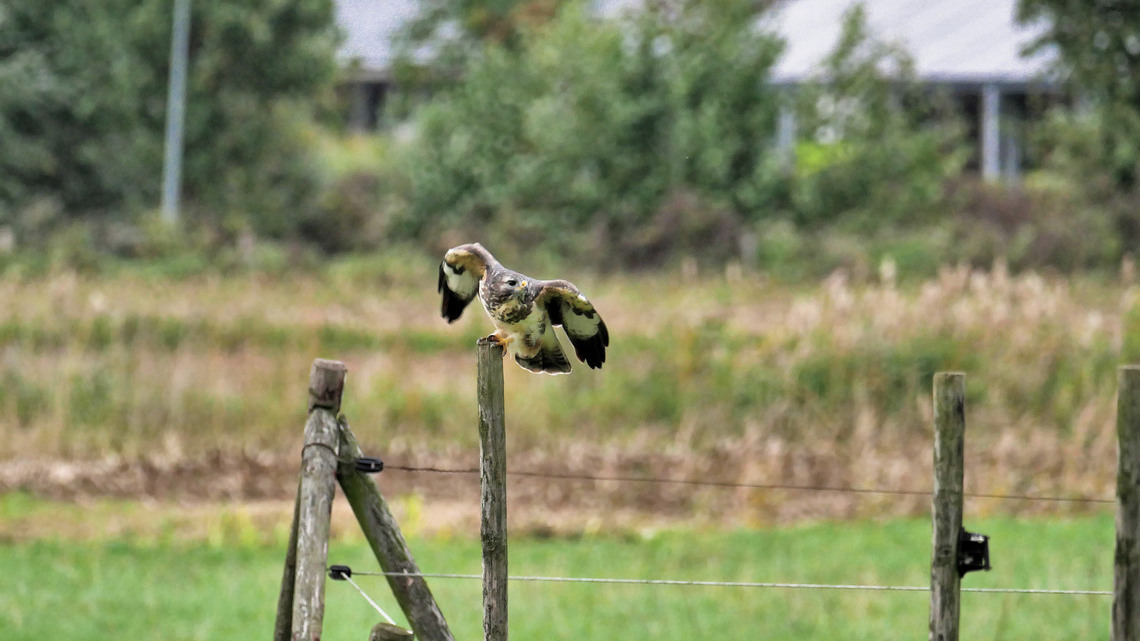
(1126, 570)
(493, 481)
(284, 625)
(949, 468)
(318, 487)
(389, 547)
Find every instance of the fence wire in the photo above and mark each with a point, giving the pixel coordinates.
(751, 486)
(733, 584)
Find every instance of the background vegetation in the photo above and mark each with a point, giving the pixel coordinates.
(774, 322)
(633, 142)
(82, 113)
(645, 141)
(738, 379)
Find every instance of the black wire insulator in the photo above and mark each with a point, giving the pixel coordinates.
(368, 465)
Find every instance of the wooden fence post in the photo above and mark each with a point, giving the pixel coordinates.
(1126, 569)
(284, 626)
(949, 432)
(318, 487)
(383, 534)
(493, 481)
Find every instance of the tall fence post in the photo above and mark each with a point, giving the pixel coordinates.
(318, 487)
(1126, 568)
(389, 546)
(949, 440)
(493, 481)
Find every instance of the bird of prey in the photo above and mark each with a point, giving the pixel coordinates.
(524, 310)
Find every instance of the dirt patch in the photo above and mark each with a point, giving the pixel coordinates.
(582, 488)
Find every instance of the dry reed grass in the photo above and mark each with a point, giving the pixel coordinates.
(723, 377)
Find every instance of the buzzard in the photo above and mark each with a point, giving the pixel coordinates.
(523, 310)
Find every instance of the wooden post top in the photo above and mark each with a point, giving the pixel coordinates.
(326, 384)
(389, 632)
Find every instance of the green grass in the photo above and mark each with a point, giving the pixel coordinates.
(122, 590)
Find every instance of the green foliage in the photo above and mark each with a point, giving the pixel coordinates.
(1096, 42)
(653, 136)
(83, 98)
(875, 152)
(446, 34)
(596, 125)
(1047, 224)
(1095, 148)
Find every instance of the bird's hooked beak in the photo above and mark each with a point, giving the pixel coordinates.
(520, 290)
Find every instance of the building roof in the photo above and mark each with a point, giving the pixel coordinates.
(952, 41)
(369, 28)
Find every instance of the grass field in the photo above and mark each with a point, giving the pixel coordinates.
(157, 407)
(185, 590)
(723, 375)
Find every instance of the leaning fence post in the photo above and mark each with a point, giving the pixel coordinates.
(318, 487)
(493, 481)
(949, 432)
(389, 547)
(284, 626)
(1126, 570)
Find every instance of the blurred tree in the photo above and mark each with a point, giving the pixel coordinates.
(1097, 147)
(588, 128)
(445, 33)
(1098, 43)
(876, 149)
(83, 93)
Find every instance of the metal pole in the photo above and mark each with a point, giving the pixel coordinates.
(991, 132)
(175, 111)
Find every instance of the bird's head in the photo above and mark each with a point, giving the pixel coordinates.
(516, 285)
(507, 285)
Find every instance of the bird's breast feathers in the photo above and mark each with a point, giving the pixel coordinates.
(514, 312)
(524, 323)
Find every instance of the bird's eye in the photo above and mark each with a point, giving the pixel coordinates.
(512, 282)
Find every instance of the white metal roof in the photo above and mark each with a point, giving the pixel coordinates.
(953, 41)
(369, 27)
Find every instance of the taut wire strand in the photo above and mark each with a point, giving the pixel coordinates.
(369, 599)
(735, 584)
(754, 486)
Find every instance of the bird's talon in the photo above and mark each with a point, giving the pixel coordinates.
(494, 339)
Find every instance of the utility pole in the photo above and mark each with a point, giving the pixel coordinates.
(175, 111)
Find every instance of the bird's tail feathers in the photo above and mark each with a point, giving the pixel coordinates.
(550, 359)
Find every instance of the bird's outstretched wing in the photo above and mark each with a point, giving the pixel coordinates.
(459, 275)
(566, 306)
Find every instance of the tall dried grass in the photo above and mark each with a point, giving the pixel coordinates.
(718, 376)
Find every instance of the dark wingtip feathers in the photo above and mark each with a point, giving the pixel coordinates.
(452, 305)
(592, 350)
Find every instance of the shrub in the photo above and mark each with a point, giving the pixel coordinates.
(594, 128)
(874, 150)
(83, 99)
